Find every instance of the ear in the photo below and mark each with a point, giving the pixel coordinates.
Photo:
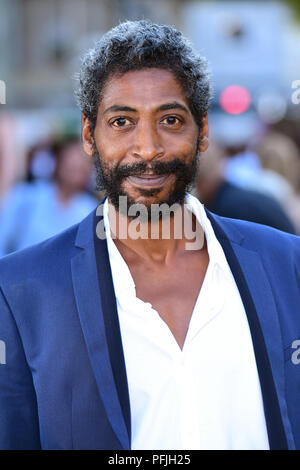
(204, 142)
(87, 138)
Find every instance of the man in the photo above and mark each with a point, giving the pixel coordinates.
(150, 342)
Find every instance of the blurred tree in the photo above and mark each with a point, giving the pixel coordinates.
(295, 4)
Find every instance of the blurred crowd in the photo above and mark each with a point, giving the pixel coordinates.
(252, 177)
(55, 192)
(239, 176)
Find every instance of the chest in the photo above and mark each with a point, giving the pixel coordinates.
(172, 289)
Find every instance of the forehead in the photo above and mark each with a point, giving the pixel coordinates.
(143, 89)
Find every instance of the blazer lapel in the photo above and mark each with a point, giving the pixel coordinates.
(96, 306)
(256, 293)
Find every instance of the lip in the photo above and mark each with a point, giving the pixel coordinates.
(148, 180)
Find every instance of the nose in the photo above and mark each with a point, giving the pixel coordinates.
(147, 143)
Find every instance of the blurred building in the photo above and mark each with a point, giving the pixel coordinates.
(252, 44)
(41, 40)
(251, 47)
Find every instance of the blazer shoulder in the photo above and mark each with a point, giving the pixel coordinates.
(257, 236)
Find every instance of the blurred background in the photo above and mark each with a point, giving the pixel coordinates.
(252, 168)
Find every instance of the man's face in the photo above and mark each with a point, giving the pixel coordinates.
(146, 140)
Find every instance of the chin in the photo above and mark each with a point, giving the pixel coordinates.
(172, 193)
(148, 196)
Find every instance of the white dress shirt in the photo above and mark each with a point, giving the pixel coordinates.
(207, 395)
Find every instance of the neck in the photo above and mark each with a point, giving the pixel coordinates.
(156, 240)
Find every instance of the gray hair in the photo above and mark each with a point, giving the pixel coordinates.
(135, 45)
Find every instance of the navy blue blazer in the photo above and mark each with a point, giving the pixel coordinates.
(63, 381)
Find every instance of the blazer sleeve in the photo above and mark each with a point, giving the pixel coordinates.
(19, 424)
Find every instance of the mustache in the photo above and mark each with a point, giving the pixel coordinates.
(156, 168)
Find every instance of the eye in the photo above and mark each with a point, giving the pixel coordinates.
(120, 122)
(172, 121)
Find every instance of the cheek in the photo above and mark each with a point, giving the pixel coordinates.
(182, 144)
(185, 150)
(109, 150)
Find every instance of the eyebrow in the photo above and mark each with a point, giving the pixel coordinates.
(117, 107)
(163, 107)
(174, 105)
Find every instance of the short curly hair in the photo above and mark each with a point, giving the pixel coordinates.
(134, 45)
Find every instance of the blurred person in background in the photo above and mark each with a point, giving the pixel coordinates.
(41, 161)
(260, 163)
(230, 200)
(34, 211)
(234, 134)
(10, 153)
(280, 160)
